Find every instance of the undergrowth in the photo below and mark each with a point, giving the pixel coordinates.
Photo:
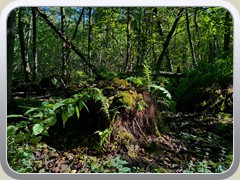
(125, 114)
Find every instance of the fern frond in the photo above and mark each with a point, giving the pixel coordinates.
(137, 81)
(97, 95)
(161, 89)
(148, 74)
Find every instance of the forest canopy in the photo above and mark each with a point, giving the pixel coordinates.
(120, 89)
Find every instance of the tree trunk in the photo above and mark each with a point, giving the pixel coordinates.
(159, 24)
(127, 65)
(226, 47)
(190, 40)
(89, 55)
(24, 53)
(166, 43)
(34, 47)
(64, 45)
(68, 50)
(169, 62)
(198, 36)
(11, 23)
(89, 32)
(78, 23)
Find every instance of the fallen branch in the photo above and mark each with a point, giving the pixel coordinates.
(171, 74)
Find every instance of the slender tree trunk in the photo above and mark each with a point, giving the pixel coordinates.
(212, 53)
(139, 42)
(226, 47)
(24, 53)
(89, 32)
(159, 24)
(68, 50)
(11, 23)
(64, 45)
(34, 46)
(77, 25)
(198, 36)
(169, 62)
(128, 59)
(89, 55)
(190, 40)
(166, 43)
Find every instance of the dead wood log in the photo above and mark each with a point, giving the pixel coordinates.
(171, 74)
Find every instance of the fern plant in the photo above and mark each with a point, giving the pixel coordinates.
(137, 81)
(148, 74)
(162, 97)
(96, 94)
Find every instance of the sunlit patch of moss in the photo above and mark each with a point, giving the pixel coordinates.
(120, 83)
(128, 99)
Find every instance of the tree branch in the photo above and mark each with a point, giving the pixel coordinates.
(69, 42)
(171, 74)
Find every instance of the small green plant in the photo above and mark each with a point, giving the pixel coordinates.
(104, 136)
(162, 97)
(137, 81)
(19, 152)
(199, 167)
(148, 74)
(109, 164)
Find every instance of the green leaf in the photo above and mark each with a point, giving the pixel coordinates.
(124, 170)
(50, 121)
(36, 140)
(38, 115)
(64, 117)
(14, 116)
(58, 105)
(94, 166)
(37, 129)
(49, 105)
(31, 110)
(77, 112)
(71, 110)
(81, 105)
(11, 130)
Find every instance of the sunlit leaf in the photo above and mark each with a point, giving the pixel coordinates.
(77, 111)
(37, 129)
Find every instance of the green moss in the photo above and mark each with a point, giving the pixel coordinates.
(120, 83)
(124, 137)
(128, 99)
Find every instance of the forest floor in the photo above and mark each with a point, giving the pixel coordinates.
(188, 143)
